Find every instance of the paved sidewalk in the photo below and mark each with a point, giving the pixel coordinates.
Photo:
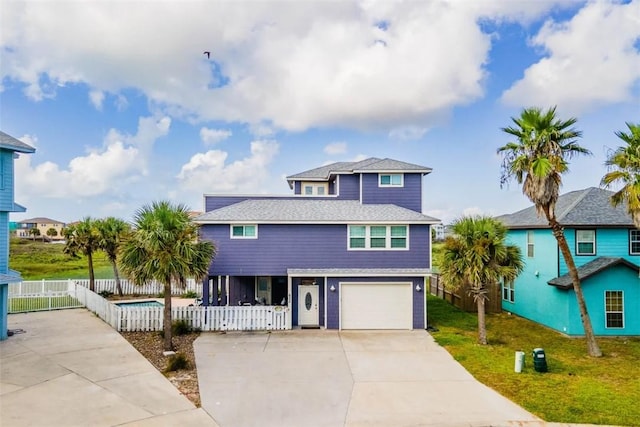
(71, 369)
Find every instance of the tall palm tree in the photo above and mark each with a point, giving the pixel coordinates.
(111, 232)
(34, 232)
(624, 166)
(82, 237)
(537, 159)
(163, 246)
(476, 257)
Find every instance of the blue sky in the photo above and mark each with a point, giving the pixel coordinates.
(124, 109)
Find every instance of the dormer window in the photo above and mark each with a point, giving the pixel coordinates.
(390, 180)
(315, 188)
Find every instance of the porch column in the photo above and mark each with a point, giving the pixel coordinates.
(290, 308)
(206, 283)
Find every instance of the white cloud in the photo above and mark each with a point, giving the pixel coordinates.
(590, 60)
(335, 148)
(108, 169)
(209, 172)
(96, 97)
(214, 136)
(293, 65)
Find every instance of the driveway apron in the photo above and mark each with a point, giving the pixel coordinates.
(347, 378)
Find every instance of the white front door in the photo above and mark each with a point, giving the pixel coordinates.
(308, 307)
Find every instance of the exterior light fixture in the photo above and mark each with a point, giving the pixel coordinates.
(332, 288)
(418, 288)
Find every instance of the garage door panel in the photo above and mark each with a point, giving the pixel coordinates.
(376, 306)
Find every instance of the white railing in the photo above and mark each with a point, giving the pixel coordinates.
(128, 288)
(140, 318)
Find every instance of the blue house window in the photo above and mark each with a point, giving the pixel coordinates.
(244, 231)
(378, 237)
(614, 309)
(509, 291)
(390, 180)
(634, 242)
(585, 242)
(530, 243)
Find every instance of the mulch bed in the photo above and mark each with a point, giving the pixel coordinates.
(150, 345)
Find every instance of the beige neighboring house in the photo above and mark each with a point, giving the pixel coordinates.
(43, 225)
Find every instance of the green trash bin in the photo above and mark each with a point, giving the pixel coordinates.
(539, 360)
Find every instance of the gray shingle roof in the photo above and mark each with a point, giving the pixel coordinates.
(311, 211)
(371, 164)
(10, 143)
(359, 272)
(588, 207)
(589, 269)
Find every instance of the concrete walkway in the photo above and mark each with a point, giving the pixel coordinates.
(329, 378)
(70, 369)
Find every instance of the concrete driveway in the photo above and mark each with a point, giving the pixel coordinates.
(330, 378)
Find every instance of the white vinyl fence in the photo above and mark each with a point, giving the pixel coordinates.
(144, 318)
(109, 285)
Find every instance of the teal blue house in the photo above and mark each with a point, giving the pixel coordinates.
(606, 249)
(9, 149)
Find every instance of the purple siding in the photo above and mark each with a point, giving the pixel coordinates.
(409, 196)
(333, 298)
(349, 187)
(281, 246)
(297, 187)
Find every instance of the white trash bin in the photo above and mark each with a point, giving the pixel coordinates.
(519, 361)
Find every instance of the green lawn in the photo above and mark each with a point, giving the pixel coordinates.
(36, 260)
(577, 388)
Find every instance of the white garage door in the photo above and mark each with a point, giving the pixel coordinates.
(376, 306)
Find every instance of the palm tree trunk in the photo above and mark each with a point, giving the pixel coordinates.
(168, 344)
(92, 277)
(482, 325)
(592, 345)
(117, 276)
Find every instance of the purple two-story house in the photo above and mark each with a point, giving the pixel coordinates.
(350, 249)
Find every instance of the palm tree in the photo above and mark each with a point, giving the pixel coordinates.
(163, 247)
(537, 160)
(34, 232)
(52, 232)
(111, 232)
(82, 237)
(624, 166)
(477, 258)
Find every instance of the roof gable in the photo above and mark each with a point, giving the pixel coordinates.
(10, 143)
(590, 269)
(40, 220)
(371, 164)
(589, 207)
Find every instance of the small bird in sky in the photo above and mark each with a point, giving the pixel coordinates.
(206, 52)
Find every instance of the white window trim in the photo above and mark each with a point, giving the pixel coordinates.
(243, 228)
(367, 237)
(510, 288)
(631, 241)
(585, 241)
(531, 244)
(380, 184)
(607, 312)
(314, 189)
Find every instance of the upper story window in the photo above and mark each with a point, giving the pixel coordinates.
(585, 242)
(244, 231)
(378, 237)
(634, 242)
(315, 188)
(390, 180)
(530, 243)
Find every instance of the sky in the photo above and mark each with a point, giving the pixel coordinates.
(124, 107)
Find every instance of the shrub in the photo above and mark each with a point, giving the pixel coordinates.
(190, 294)
(105, 294)
(176, 362)
(181, 327)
